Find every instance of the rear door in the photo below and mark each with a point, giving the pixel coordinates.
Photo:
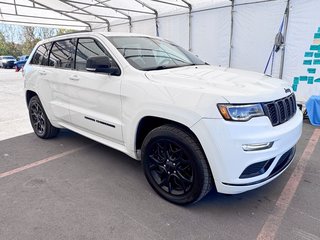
(59, 72)
(95, 103)
(37, 72)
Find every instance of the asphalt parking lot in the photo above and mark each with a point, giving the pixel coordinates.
(73, 188)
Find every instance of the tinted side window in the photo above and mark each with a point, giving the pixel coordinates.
(88, 47)
(41, 55)
(61, 55)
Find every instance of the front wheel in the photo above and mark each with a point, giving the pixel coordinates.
(39, 120)
(175, 165)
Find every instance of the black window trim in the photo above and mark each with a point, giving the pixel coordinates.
(35, 52)
(73, 54)
(104, 47)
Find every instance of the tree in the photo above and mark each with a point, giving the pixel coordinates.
(9, 47)
(17, 40)
(61, 31)
(30, 39)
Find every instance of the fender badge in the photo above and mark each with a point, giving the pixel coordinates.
(287, 90)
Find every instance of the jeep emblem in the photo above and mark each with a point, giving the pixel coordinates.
(287, 90)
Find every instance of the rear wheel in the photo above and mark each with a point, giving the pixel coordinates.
(39, 120)
(175, 165)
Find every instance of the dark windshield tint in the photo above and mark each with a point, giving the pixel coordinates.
(146, 53)
(8, 57)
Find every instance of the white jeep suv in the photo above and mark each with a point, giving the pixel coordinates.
(194, 126)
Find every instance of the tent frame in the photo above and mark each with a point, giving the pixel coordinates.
(73, 18)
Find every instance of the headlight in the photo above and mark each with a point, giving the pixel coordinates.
(240, 112)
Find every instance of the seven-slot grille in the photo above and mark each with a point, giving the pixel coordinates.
(281, 110)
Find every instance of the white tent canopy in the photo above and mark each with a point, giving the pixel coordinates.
(87, 14)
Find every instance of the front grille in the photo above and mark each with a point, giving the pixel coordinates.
(280, 111)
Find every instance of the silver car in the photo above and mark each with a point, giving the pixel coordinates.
(7, 61)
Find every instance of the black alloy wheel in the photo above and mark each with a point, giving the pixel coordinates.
(170, 167)
(175, 166)
(39, 120)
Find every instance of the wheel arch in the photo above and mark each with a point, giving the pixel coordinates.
(148, 123)
(29, 95)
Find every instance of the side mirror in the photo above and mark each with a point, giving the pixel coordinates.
(101, 64)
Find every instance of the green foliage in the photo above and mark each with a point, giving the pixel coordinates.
(9, 48)
(64, 31)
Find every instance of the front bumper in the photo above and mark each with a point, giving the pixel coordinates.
(222, 143)
(9, 64)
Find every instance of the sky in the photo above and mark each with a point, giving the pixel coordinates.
(11, 32)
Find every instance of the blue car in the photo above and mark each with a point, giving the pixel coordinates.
(21, 62)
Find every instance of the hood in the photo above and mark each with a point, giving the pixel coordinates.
(236, 86)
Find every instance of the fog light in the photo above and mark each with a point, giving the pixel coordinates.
(257, 146)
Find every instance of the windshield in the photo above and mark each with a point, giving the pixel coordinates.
(147, 54)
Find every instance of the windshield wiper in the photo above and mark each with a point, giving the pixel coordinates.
(161, 67)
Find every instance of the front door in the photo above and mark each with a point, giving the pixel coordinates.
(94, 98)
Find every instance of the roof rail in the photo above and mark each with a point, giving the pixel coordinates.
(82, 31)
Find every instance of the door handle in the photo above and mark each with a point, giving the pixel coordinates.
(74, 78)
(42, 72)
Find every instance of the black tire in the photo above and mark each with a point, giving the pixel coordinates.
(175, 165)
(39, 120)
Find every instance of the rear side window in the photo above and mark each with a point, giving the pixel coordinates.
(41, 55)
(88, 47)
(61, 55)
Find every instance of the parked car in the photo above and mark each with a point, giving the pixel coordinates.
(194, 126)
(21, 62)
(7, 61)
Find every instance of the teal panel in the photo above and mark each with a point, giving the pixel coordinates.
(303, 78)
(295, 87)
(312, 70)
(308, 54)
(316, 62)
(296, 80)
(314, 47)
(317, 55)
(310, 80)
(316, 35)
(317, 80)
(318, 29)
(307, 62)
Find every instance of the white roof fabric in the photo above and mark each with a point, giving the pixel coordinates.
(85, 14)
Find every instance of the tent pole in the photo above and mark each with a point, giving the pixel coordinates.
(118, 11)
(155, 12)
(190, 23)
(283, 50)
(78, 8)
(64, 14)
(15, 7)
(231, 33)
